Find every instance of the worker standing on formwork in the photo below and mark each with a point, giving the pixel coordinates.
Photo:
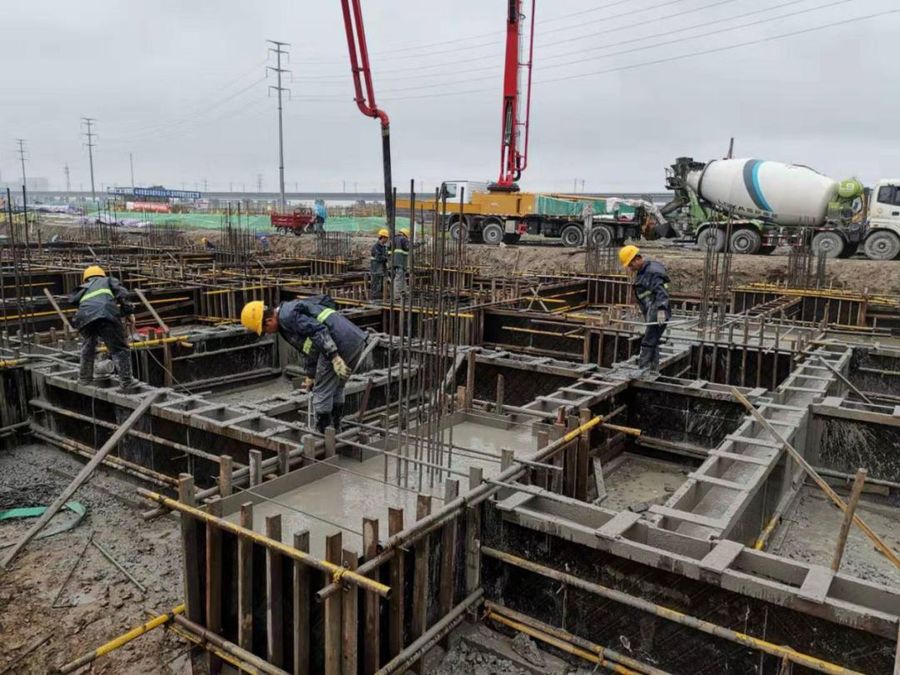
(651, 290)
(378, 263)
(331, 345)
(102, 303)
(400, 260)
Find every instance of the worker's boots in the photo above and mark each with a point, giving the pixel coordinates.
(127, 383)
(645, 360)
(86, 372)
(323, 421)
(337, 412)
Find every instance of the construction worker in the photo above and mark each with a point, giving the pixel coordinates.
(400, 260)
(651, 290)
(378, 263)
(331, 345)
(102, 303)
(207, 244)
(321, 215)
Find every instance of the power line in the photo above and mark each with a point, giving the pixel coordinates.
(680, 57)
(278, 70)
(542, 68)
(89, 124)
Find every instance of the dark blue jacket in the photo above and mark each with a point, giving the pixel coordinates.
(401, 251)
(100, 298)
(314, 328)
(651, 289)
(379, 258)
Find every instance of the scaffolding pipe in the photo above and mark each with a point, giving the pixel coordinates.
(420, 646)
(338, 572)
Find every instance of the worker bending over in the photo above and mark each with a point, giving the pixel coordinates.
(379, 263)
(330, 343)
(102, 303)
(400, 260)
(651, 290)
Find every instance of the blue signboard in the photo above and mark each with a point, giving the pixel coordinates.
(154, 192)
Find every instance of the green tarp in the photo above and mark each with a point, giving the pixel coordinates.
(573, 207)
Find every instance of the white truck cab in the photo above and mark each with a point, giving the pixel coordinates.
(882, 241)
(452, 189)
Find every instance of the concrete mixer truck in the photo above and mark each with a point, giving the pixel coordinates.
(769, 204)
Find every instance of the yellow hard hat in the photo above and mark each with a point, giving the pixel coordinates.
(203, 240)
(383, 233)
(252, 316)
(93, 271)
(404, 231)
(627, 254)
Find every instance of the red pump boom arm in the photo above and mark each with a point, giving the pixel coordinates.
(514, 125)
(365, 101)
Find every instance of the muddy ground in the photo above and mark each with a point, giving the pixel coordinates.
(98, 602)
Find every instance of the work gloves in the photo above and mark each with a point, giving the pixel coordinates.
(661, 317)
(308, 383)
(340, 367)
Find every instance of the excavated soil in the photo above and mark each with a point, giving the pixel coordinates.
(547, 256)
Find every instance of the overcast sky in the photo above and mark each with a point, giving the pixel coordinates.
(621, 89)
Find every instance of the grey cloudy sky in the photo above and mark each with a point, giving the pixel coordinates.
(621, 89)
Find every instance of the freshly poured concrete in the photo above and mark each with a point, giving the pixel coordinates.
(637, 479)
(254, 393)
(340, 500)
(810, 530)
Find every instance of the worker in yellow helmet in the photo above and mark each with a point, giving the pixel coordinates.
(102, 302)
(651, 290)
(378, 263)
(401, 260)
(330, 344)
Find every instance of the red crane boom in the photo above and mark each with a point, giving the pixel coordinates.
(515, 125)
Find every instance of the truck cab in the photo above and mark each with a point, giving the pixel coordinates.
(453, 188)
(882, 240)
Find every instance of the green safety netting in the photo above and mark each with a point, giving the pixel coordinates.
(214, 221)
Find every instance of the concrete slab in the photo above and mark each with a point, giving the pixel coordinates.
(637, 479)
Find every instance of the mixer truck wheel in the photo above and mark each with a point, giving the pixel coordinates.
(492, 233)
(601, 236)
(572, 236)
(882, 245)
(746, 241)
(830, 243)
(711, 238)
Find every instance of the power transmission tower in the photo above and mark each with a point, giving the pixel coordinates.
(205, 186)
(88, 122)
(68, 182)
(259, 182)
(131, 164)
(278, 70)
(21, 151)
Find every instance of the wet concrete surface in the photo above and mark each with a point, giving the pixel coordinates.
(810, 530)
(638, 479)
(355, 490)
(253, 394)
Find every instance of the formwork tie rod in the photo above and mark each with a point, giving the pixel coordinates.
(337, 572)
